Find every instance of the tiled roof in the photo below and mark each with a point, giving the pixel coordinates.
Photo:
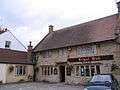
(94, 31)
(13, 57)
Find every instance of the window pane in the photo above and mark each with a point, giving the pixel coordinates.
(46, 54)
(98, 69)
(86, 49)
(63, 52)
(92, 70)
(55, 71)
(7, 44)
(48, 70)
(24, 70)
(51, 70)
(20, 73)
(87, 71)
(82, 71)
(17, 70)
(42, 70)
(101, 78)
(45, 70)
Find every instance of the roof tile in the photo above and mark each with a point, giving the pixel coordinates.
(12, 56)
(94, 31)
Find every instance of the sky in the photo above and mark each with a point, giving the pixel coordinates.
(28, 20)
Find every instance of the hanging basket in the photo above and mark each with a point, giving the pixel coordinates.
(10, 69)
(114, 67)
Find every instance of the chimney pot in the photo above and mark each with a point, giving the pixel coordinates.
(51, 28)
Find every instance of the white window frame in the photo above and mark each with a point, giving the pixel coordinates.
(17, 70)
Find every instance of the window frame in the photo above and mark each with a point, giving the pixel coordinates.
(7, 44)
(20, 70)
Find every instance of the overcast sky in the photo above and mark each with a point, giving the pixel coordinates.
(28, 20)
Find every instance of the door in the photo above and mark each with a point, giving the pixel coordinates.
(62, 73)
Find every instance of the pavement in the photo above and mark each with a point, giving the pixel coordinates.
(40, 86)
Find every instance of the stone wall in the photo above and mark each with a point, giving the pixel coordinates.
(102, 48)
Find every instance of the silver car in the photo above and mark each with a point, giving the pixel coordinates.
(102, 82)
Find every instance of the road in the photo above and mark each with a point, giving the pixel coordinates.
(40, 86)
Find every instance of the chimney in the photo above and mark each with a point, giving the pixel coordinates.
(51, 28)
(2, 30)
(117, 31)
(118, 5)
(29, 54)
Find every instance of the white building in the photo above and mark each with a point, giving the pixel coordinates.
(15, 65)
(9, 41)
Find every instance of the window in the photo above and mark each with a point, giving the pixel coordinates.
(48, 70)
(63, 52)
(7, 44)
(92, 70)
(68, 71)
(82, 71)
(51, 70)
(20, 70)
(98, 69)
(87, 71)
(86, 50)
(55, 71)
(17, 70)
(42, 70)
(45, 71)
(24, 72)
(47, 54)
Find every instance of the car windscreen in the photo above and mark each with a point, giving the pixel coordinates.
(101, 78)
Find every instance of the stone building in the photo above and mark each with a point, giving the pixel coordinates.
(76, 53)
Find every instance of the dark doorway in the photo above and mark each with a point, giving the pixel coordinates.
(62, 73)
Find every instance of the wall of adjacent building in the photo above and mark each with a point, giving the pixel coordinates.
(2, 73)
(12, 77)
(15, 44)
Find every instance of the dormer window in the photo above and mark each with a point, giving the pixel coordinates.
(7, 44)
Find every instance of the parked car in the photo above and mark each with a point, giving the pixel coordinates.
(102, 82)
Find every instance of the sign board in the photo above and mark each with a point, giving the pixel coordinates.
(91, 58)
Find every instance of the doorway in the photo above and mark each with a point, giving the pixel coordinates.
(62, 73)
